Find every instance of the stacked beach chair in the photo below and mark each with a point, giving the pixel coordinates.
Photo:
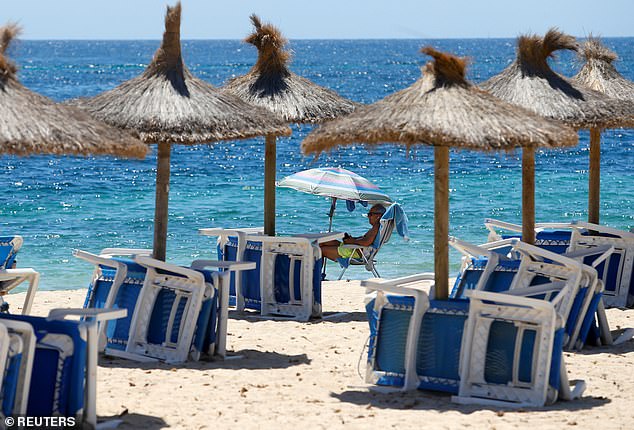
(287, 280)
(11, 277)
(174, 313)
(50, 364)
(499, 340)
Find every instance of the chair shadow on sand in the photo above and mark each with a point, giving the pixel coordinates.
(427, 400)
(330, 316)
(249, 359)
(135, 421)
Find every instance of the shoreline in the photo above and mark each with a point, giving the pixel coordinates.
(297, 374)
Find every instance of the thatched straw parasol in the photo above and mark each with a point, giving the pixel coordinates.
(599, 74)
(33, 124)
(529, 82)
(444, 110)
(272, 85)
(167, 104)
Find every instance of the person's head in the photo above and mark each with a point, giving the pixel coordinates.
(375, 213)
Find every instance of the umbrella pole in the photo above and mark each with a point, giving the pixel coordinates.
(269, 186)
(528, 195)
(162, 200)
(331, 214)
(441, 222)
(594, 176)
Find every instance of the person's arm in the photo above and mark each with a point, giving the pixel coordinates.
(365, 240)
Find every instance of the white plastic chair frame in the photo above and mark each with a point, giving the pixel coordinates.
(12, 277)
(223, 237)
(526, 314)
(24, 332)
(574, 272)
(90, 319)
(297, 249)
(186, 283)
(507, 304)
(121, 272)
(623, 245)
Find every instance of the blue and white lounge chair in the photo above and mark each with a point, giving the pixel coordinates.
(394, 217)
(173, 311)
(509, 354)
(116, 283)
(509, 265)
(287, 280)
(63, 369)
(617, 272)
(11, 277)
(19, 340)
(178, 313)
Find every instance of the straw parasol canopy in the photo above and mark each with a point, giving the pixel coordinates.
(531, 83)
(167, 104)
(444, 110)
(33, 124)
(599, 74)
(272, 85)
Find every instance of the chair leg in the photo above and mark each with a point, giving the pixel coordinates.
(341, 274)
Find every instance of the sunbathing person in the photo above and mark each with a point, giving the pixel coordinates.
(334, 249)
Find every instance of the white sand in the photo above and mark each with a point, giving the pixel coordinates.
(304, 376)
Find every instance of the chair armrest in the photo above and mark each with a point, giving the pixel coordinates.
(503, 298)
(490, 223)
(399, 285)
(125, 251)
(233, 266)
(168, 267)
(91, 313)
(605, 251)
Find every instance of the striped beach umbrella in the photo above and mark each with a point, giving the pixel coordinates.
(336, 183)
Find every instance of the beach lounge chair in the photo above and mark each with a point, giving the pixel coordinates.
(180, 312)
(11, 277)
(64, 364)
(158, 301)
(17, 348)
(116, 283)
(616, 272)
(510, 264)
(507, 353)
(394, 217)
(287, 279)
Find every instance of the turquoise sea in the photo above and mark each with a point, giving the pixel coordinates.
(61, 203)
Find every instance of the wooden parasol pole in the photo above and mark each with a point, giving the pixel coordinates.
(441, 221)
(594, 176)
(162, 200)
(528, 195)
(269, 186)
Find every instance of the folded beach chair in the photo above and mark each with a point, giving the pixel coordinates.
(509, 265)
(394, 217)
(287, 279)
(181, 312)
(508, 353)
(11, 277)
(62, 380)
(116, 283)
(17, 348)
(616, 272)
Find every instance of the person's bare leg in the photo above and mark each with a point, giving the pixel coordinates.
(330, 252)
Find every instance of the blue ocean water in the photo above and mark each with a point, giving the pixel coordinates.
(61, 203)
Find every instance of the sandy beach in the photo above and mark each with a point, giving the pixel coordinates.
(306, 375)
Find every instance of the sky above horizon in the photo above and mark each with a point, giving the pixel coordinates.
(324, 19)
